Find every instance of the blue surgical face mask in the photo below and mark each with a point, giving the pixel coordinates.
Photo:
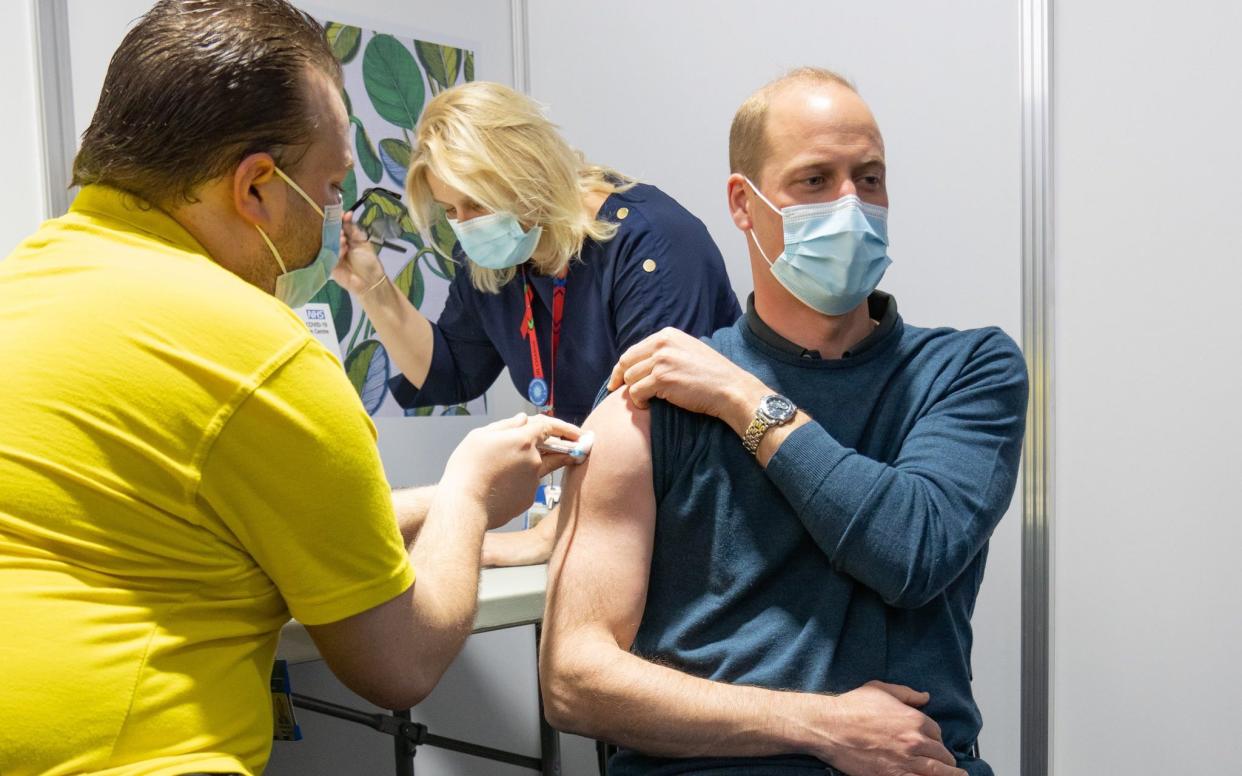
(496, 241)
(835, 252)
(295, 288)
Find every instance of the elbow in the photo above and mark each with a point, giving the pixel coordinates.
(399, 681)
(567, 687)
(913, 595)
(925, 579)
(561, 704)
(399, 691)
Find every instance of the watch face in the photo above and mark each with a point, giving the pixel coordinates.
(777, 407)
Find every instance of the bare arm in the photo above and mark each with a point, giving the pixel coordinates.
(594, 686)
(521, 548)
(393, 654)
(412, 506)
(405, 332)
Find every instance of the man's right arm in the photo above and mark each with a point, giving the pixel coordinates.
(594, 686)
(295, 481)
(395, 653)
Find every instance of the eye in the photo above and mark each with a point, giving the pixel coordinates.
(873, 181)
(815, 181)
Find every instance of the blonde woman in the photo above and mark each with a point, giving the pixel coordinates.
(567, 264)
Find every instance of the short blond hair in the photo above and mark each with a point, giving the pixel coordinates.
(748, 136)
(496, 146)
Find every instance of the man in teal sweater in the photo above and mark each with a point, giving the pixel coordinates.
(770, 562)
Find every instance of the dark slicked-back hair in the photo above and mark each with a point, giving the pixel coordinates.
(195, 87)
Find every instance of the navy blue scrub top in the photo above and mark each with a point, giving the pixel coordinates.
(661, 269)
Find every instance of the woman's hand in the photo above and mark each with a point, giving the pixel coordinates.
(500, 465)
(359, 269)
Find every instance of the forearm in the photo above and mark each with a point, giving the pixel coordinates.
(602, 691)
(445, 557)
(521, 548)
(899, 532)
(411, 505)
(405, 332)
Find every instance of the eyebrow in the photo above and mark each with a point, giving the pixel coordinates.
(822, 164)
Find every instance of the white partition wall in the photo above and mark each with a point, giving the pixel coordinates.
(21, 200)
(650, 87)
(1148, 604)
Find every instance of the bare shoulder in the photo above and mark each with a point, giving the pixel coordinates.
(620, 461)
(602, 558)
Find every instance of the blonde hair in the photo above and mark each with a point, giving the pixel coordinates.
(748, 136)
(496, 146)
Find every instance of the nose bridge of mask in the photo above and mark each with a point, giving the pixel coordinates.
(489, 225)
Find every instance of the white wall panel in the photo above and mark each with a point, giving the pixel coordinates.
(1148, 190)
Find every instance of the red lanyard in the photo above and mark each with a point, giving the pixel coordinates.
(541, 393)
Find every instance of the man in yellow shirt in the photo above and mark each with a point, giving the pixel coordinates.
(182, 466)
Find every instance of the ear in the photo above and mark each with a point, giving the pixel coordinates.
(258, 192)
(740, 198)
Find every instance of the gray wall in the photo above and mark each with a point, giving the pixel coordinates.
(21, 200)
(1147, 617)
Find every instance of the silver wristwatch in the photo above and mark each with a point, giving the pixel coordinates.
(773, 410)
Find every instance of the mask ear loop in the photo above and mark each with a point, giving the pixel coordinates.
(275, 252)
(751, 232)
(298, 189)
(263, 234)
(755, 239)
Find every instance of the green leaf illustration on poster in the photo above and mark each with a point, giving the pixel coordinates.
(393, 81)
(443, 238)
(440, 62)
(341, 304)
(395, 154)
(388, 79)
(349, 189)
(382, 217)
(367, 369)
(413, 238)
(344, 40)
(409, 281)
(367, 157)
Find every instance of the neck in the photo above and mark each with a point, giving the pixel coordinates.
(830, 335)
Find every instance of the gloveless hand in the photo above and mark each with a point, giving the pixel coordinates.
(673, 366)
(877, 730)
(359, 268)
(500, 465)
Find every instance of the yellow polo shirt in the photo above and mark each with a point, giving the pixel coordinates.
(181, 467)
